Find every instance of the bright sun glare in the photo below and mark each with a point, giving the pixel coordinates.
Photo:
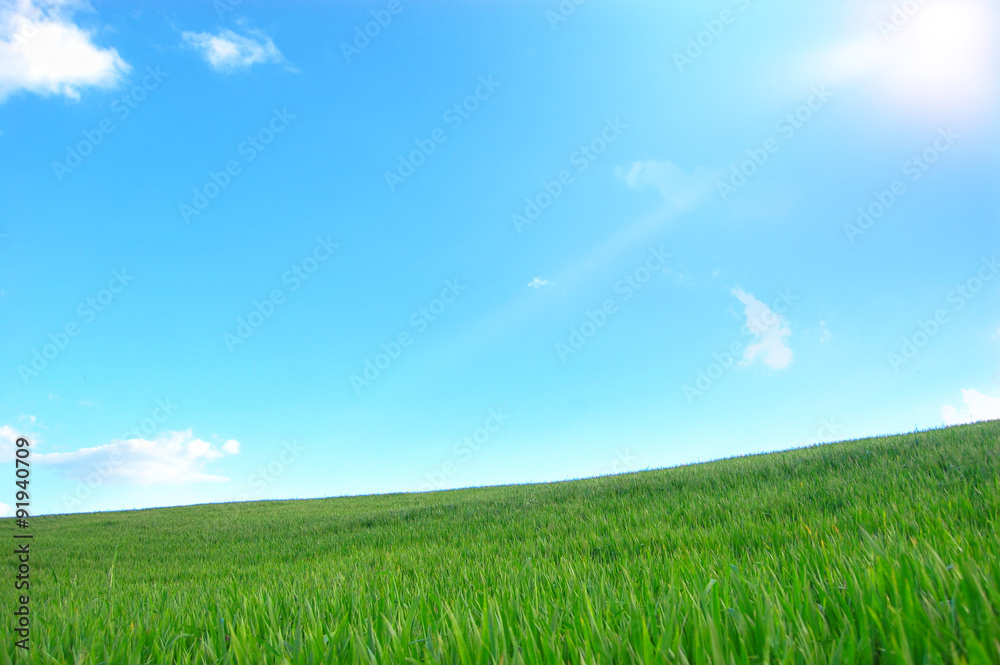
(929, 56)
(944, 55)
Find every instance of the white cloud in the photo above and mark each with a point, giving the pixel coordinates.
(87, 403)
(30, 418)
(228, 50)
(684, 191)
(54, 398)
(769, 330)
(538, 283)
(172, 457)
(977, 407)
(44, 52)
(5, 510)
(8, 439)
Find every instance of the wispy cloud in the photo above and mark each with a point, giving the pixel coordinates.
(228, 51)
(977, 407)
(683, 190)
(172, 457)
(770, 330)
(538, 283)
(43, 51)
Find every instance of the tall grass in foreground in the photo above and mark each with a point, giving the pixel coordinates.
(875, 551)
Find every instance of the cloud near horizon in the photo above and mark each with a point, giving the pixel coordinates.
(172, 457)
(43, 52)
(977, 407)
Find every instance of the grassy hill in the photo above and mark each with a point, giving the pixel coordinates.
(875, 551)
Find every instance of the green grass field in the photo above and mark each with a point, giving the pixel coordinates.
(875, 551)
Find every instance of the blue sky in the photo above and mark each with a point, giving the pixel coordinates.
(251, 252)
